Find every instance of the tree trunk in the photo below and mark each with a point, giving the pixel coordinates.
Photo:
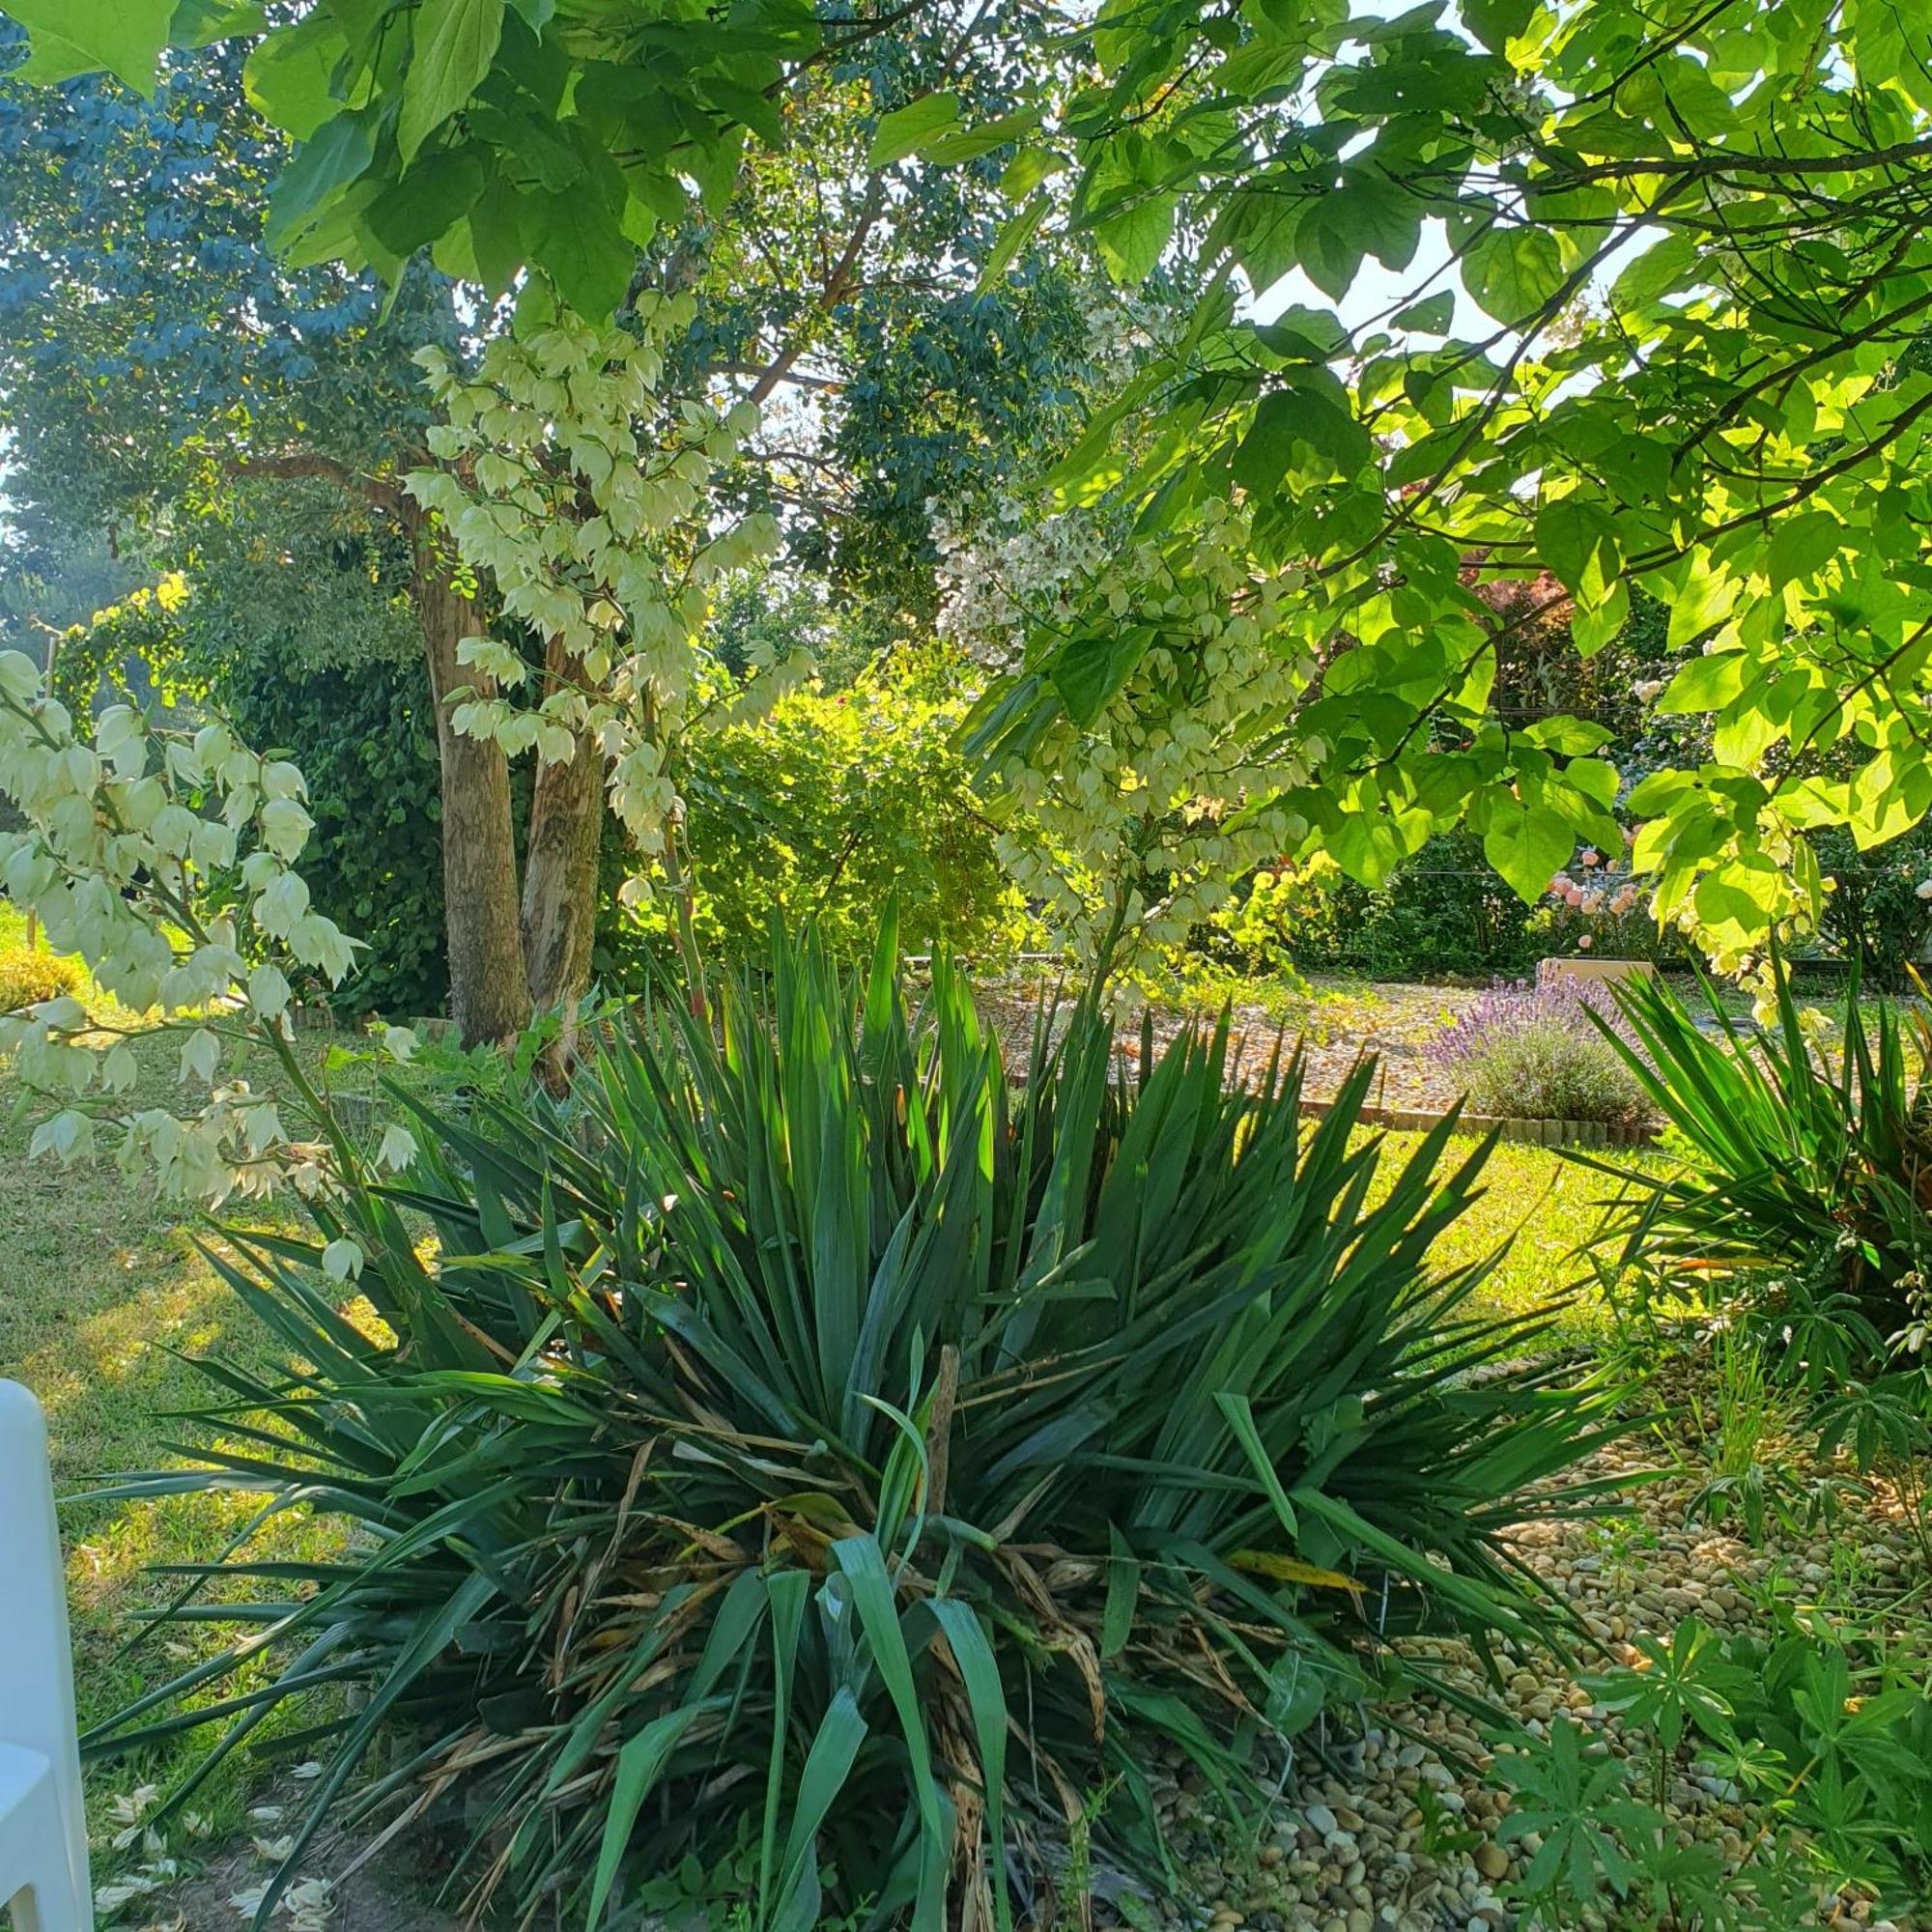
(560, 867)
(489, 993)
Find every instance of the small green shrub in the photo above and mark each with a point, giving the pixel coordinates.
(27, 978)
(820, 811)
(1747, 1407)
(1872, 915)
(1530, 1053)
(1884, 1427)
(809, 1455)
(1799, 1202)
(1826, 1729)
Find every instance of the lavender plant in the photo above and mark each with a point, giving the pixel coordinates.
(1532, 1052)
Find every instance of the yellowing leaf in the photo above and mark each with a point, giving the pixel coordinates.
(1291, 1570)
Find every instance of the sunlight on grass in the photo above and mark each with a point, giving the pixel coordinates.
(1546, 1207)
(171, 1300)
(101, 1295)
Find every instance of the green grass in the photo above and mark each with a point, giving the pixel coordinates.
(102, 1294)
(1547, 1208)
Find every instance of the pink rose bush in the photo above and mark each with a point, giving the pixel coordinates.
(1596, 904)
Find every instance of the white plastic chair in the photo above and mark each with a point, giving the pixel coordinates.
(44, 1877)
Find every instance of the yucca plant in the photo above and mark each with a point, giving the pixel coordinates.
(805, 1451)
(1802, 1176)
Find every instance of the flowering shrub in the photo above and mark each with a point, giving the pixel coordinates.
(164, 860)
(1596, 905)
(1127, 805)
(1534, 1053)
(575, 475)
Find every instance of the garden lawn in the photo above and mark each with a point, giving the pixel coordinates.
(1545, 1205)
(102, 1293)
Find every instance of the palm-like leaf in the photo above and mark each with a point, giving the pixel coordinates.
(804, 1431)
(1795, 1164)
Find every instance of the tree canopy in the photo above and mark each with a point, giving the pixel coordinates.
(1636, 299)
(172, 378)
(1512, 293)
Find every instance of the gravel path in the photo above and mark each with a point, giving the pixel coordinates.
(1401, 1836)
(1395, 1022)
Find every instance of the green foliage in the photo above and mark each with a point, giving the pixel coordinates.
(823, 809)
(126, 36)
(1387, 475)
(1883, 1424)
(951, 403)
(1842, 1730)
(1798, 1193)
(359, 718)
(1444, 911)
(366, 739)
(761, 617)
(1747, 1407)
(1308, 511)
(29, 974)
(805, 1451)
(445, 123)
(1874, 916)
(1578, 1806)
(1676, 1686)
(1824, 1729)
(1290, 918)
(447, 1073)
(130, 242)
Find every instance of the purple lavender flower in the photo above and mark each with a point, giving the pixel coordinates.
(1532, 1052)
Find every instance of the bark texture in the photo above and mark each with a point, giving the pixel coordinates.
(489, 991)
(559, 914)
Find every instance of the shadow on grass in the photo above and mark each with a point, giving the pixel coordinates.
(102, 1295)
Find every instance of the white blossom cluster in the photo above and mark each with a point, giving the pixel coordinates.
(1013, 574)
(1122, 327)
(582, 488)
(1148, 813)
(127, 825)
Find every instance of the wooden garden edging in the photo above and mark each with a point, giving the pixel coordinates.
(1534, 1133)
